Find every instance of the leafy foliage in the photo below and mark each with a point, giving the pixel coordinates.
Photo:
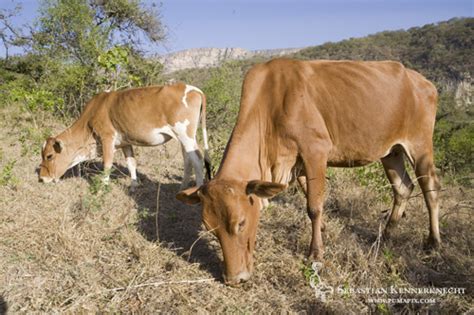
(223, 92)
(441, 51)
(79, 48)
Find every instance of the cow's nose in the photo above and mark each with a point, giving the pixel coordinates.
(40, 179)
(241, 277)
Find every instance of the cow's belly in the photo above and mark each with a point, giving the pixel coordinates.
(160, 135)
(153, 137)
(349, 157)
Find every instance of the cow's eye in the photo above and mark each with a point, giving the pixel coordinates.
(241, 225)
(49, 157)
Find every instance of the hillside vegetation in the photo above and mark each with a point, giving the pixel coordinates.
(81, 247)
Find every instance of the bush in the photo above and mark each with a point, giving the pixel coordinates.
(222, 90)
(454, 141)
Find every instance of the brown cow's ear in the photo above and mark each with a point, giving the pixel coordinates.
(58, 146)
(189, 196)
(264, 189)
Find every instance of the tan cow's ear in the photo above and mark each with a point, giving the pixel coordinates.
(189, 196)
(58, 146)
(264, 189)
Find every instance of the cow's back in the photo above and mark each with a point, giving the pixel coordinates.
(362, 108)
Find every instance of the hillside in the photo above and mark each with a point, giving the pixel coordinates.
(213, 57)
(441, 51)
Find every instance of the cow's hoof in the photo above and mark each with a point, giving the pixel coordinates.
(315, 255)
(432, 244)
(134, 186)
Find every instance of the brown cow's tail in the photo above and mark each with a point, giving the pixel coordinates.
(207, 159)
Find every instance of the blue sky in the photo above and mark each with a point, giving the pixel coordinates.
(265, 24)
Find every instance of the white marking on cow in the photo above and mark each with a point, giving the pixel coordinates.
(180, 129)
(44, 145)
(77, 159)
(190, 147)
(117, 139)
(188, 89)
(46, 179)
(132, 167)
(161, 135)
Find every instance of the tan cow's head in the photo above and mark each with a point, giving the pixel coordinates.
(55, 160)
(231, 209)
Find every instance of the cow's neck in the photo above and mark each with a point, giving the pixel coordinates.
(246, 156)
(79, 142)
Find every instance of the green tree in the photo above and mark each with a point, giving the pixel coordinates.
(85, 47)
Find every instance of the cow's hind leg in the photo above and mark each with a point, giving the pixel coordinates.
(429, 184)
(107, 156)
(191, 149)
(188, 167)
(402, 186)
(131, 165)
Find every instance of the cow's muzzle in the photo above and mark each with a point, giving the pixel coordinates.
(236, 280)
(47, 180)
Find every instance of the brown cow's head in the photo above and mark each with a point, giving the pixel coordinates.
(55, 160)
(231, 210)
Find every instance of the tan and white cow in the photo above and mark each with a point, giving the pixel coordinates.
(147, 116)
(307, 115)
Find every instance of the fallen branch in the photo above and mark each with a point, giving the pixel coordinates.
(194, 243)
(160, 283)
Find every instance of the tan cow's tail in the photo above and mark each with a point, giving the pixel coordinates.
(207, 159)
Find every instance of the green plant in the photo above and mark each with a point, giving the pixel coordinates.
(309, 273)
(97, 190)
(373, 177)
(222, 90)
(383, 308)
(114, 63)
(31, 139)
(388, 255)
(6, 176)
(98, 186)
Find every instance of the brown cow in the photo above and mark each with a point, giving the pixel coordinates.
(146, 116)
(307, 115)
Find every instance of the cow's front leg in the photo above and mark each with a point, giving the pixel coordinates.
(304, 185)
(131, 165)
(107, 157)
(315, 166)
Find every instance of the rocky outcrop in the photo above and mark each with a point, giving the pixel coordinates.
(212, 57)
(463, 95)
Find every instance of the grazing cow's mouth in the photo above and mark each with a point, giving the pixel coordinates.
(48, 180)
(242, 277)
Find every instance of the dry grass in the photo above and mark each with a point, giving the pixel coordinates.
(65, 249)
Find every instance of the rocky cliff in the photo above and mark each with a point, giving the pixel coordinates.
(211, 57)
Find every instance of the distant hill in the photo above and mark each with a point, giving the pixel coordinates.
(212, 57)
(442, 51)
